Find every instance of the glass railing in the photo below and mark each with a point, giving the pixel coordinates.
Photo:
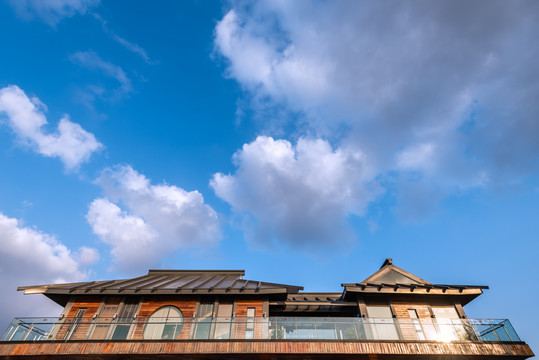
(269, 328)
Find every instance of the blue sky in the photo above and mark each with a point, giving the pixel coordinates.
(302, 141)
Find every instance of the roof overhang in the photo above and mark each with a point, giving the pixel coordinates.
(466, 293)
(166, 282)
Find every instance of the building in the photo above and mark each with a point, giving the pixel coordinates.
(213, 314)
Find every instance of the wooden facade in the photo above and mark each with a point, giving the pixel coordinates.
(264, 350)
(217, 314)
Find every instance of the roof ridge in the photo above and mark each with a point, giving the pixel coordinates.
(231, 272)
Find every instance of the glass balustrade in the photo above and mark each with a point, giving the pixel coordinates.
(268, 328)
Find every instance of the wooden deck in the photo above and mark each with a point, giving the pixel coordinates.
(263, 350)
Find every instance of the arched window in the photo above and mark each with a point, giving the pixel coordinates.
(164, 323)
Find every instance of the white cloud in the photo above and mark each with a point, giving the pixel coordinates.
(132, 240)
(92, 61)
(87, 256)
(158, 220)
(71, 143)
(266, 64)
(299, 195)
(445, 89)
(51, 11)
(31, 257)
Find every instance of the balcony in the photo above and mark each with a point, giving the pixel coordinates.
(270, 337)
(272, 328)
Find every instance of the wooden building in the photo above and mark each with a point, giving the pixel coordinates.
(217, 314)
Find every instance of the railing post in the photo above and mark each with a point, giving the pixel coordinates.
(15, 330)
(28, 332)
(10, 331)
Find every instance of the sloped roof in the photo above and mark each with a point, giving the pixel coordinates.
(169, 282)
(392, 279)
(389, 273)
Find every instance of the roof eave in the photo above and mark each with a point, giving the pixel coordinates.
(48, 291)
(413, 290)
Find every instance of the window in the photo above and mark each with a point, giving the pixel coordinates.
(417, 324)
(103, 322)
(164, 323)
(75, 324)
(203, 320)
(125, 319)
(223, 321)
(449, 326)
(250, 325)
(445, 312)
(382, 323)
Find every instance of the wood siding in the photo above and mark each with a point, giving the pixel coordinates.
(150, 304)
(184, 303)
(241, 312)
(244, 303)
(267, 350)
(91, 304)
(402, 305)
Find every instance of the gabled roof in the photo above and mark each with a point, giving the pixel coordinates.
(390, 279)
(389, 273)
(192, 282)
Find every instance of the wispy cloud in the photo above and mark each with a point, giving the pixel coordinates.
(25, 116)
(92, 61)
(51, 11)
(145, 223)
(128, 45)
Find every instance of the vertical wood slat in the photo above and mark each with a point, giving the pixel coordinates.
(91, 304)
(260, 349)
(150, 304)
(252, 302)
(241, 312)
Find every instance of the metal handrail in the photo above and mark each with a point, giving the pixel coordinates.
(268, 328)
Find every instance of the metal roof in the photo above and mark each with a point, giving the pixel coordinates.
(309, 302)
(390, 279)
(373, 287)
(314, 297)
(169, 282)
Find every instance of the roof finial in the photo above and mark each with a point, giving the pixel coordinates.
(389, 261)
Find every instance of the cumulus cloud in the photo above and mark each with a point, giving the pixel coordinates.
(131, 238)
(92, 61)
(144, 223)
(447, 90)
(71, 143)
(31, 257)
(87, 256)
(51, 11)
(299, 195)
